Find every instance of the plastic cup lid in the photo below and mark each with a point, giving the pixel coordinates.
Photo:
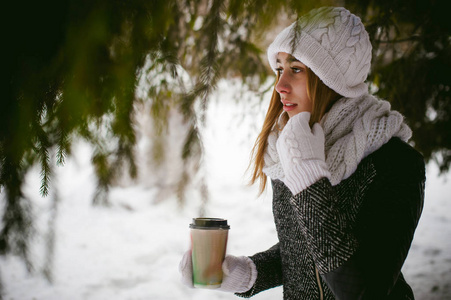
(209, 223)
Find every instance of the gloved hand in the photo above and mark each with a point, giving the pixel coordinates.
(239, 276)
(301, 153)
(186, 269)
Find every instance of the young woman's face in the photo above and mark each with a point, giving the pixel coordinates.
(292, 85)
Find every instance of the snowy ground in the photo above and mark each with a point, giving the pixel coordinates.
(131, 250)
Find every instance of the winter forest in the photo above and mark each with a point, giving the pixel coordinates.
(122, 120)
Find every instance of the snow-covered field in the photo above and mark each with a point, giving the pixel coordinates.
(132, 249)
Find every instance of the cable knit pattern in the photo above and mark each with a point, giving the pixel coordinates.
(301, 152)
(333, 43)
(240, 274)
(272, 166)
(353, 128)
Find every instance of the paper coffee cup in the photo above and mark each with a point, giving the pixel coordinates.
(208, 245)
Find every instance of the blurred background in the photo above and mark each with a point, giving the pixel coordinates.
(122, 120)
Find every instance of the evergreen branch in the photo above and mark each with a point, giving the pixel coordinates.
(45, 171)
(63, 148)
(103, 172)
(42, 146)
(125, 152)
(192, 140)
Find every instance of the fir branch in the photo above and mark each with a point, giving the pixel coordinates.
(42, 146)
(45, 171)
(63, 148)
(125, 153)
(192, 143)
(103, 173)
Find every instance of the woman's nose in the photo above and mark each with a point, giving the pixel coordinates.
(283, 85)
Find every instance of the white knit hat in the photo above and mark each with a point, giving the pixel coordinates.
(333, 43)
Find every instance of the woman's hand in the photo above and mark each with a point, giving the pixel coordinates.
(301, 153)
(239, 273)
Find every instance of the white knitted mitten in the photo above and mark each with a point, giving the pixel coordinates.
(301, 152)
(239, 276)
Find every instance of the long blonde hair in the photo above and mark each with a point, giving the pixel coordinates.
(322, 98)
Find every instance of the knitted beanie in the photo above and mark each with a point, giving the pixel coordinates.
(333, 43)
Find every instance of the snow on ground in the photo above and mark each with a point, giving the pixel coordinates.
(132, 249)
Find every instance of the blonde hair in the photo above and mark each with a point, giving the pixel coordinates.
(322, 98)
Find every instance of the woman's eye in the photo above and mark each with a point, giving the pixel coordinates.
(295, 70)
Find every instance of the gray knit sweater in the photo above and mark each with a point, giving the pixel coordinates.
(347, 241)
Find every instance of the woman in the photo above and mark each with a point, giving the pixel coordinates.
(347, 189)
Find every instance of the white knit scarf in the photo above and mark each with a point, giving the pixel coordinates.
(353, 128)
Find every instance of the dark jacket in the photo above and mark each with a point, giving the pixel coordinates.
(347, 241)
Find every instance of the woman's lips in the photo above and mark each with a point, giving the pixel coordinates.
(287, 106)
